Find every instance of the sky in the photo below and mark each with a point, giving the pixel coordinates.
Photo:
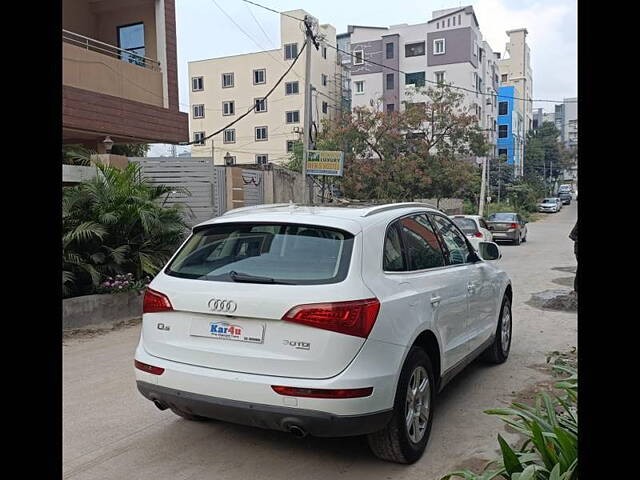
(204, 31)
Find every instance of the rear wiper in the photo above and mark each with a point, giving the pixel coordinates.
(245, 277)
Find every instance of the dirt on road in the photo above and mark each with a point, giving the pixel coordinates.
(111, 432)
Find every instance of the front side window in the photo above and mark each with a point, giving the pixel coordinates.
(393, 259)
(198, 138)
(467, 225)
(414, 49)
(227, 80)
(455, 244)
(198, 111)
(259, 76)
(421, 243)
(291, 88)
(197, 84)
(438, 46)
(293, 117)
(290, 51)
(131, 40)
(389, 47)
(261, 133)
(265, 253)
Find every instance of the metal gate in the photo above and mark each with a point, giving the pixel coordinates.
(219, 190)
(253, 187)
(194, 174)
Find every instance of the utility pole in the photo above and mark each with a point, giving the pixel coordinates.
(482, 185)
(308, 99)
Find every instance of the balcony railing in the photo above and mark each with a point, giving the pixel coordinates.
(110, 50)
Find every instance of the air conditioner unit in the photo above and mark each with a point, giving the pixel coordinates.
(297, 130)
(489, 101)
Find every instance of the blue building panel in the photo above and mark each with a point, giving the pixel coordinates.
(506, 94)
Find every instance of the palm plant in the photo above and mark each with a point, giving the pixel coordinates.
(116, 223)
(76, 155)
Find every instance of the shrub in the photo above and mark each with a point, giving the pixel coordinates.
(113, 224)
(550, 428)
(122, 283)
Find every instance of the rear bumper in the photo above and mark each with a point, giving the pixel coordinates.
(316, 423)
(508, 236)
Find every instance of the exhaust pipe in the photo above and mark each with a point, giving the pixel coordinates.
(297, 431)
(160, 405)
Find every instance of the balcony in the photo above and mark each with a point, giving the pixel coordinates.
(97, 66)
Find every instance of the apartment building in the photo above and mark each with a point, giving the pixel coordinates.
(120, 82)
(224, 88)
(516, 76)
(567, 121)
(449, 48)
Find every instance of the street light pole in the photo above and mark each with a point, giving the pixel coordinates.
(482, 186)
(306, 129)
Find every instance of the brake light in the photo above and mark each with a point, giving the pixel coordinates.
(351, 318)
(478, 234)
(323, 392)
(514, 225)
(155, 302)
(148, 368)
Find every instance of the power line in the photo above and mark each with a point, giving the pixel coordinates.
(405, 73)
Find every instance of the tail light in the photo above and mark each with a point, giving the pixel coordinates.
(351, 318)
(148, 368)
(513, 225)
(478, 234)
(323, 392)
(155, 302)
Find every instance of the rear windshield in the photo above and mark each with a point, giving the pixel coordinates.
(265, 253)
(466, 224)
(549, 200)
(498, 217)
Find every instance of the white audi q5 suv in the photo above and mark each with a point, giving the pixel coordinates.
(328, 321)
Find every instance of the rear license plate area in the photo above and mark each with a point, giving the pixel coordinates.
(234, 330)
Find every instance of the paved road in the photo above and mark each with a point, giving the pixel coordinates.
(111, 432)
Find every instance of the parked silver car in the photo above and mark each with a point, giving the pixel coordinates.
(550, 205)
(507, 226)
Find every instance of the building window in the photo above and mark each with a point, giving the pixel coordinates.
(261, 134)
(227, 80)
(259, 76)
(229, 135)
(293, 117)
(502, 151)
(414, 49)
(323, 78)
(290, 145)
(459, 19)
(503, 131)
(438, 46)
(437, 25)
(198, 111)
(449, 22)
(359, 87)
(325, 107)
(290, 51)
(198, 138)
(391, 107)
(229, 160)
(262, 159)
(228, 108)
(261, 105)
(358, 57)
(131, 39)
(502, 108)
(389, 47)
(440, 77)
(324, 52)
(389, 81)
(454, 21)
(504, 77)
(416, 78)
(197, 84)
(291, 88)
(475, 48)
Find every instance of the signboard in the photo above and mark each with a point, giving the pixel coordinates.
(325, 162)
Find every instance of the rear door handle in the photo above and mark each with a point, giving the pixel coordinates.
(435, 301)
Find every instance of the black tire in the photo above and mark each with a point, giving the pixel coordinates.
(524, 239)
(517, 240)
(188, 416)
(393, 443)
(496, 353)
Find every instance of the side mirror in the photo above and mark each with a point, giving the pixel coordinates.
(489, 251)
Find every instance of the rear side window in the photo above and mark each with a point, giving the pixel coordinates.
(265, 253)
(393, 255)
(467, 225)
(421, 243)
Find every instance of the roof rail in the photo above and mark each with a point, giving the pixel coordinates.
(393, 206)
(256, 207)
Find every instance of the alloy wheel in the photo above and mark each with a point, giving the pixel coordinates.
(418, 404)
(505, 334)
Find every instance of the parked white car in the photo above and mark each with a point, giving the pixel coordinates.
(550, 204)
(474, 227)
(328, 321)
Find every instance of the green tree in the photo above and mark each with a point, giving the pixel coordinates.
(116, 223)
(130, 149)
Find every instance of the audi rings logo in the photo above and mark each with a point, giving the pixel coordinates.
(222, 305)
